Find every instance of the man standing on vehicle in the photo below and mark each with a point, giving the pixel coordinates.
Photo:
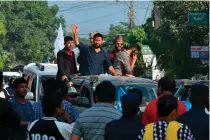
(66, 61)
(94, 57)
(118, 47)
(80, 58)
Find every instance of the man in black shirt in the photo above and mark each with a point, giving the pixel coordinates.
(48, 127)
(196, 118)
(126, 128)
(8, 119)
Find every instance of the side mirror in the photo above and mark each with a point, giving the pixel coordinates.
(29, 95)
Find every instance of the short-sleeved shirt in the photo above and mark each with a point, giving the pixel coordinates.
(122, 63)
(122, 129)
(39, 129)
(23, 110)
(93, 61)
(150, 113)
(159, 132)
(37, 112)
(92, 122)
(198, 121)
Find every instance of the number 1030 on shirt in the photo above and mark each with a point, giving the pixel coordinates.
(43, 137)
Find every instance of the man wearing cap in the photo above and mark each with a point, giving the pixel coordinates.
(126, 128)
(80, 103)
(196, 118)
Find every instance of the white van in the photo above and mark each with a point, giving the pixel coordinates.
(35, 74)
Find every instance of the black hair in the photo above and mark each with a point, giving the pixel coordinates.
(130, 104)
(98, 35)
(51, 86)
(50, 103)
(19, 81)
(68, 38)
(199, 94)
(166, 104)
(105, 91)
(136, 91)
(167, 84)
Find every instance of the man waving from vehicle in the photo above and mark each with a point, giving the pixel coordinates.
(94, 57)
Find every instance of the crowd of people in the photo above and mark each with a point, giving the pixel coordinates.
(57, 116)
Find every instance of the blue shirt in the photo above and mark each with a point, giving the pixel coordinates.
(93, 61)
(37, 112)
(23, 110)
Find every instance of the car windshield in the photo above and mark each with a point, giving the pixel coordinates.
(149, 92)
(42, 79)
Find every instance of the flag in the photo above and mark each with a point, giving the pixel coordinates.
(59, 42)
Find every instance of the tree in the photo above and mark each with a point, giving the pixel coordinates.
(172, 40)
(3, 54)
(30, 29)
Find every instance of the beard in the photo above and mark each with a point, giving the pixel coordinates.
(96, 46)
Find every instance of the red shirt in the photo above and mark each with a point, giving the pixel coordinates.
(73, 68)
(150, 113)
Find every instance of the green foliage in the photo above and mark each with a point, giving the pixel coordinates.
(30, 27)
(172, 40)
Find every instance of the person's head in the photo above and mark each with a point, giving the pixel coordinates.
(69, 42)
(97, 40)
(166, 85)
(91, 35)
(11, 81)
(21, 87)
(199, 96)
(51, 85)
(132, 50)
(136, 91)
(105, 92)
(167, 107)
(119, 43)
(52, 105)
(72, 95)
(52, 61)
(130, 105)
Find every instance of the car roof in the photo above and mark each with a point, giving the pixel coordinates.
(41, 68)
(118, 79)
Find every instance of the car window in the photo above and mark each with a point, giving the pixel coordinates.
(149, 92)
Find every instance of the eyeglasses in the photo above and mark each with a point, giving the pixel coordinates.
(119, 43)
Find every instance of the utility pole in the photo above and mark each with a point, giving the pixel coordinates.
(131, 14)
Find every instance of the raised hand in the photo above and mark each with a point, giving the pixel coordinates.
(74, 29)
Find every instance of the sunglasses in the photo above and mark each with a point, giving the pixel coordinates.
(119, 43)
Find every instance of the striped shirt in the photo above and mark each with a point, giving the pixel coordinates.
(92, 122)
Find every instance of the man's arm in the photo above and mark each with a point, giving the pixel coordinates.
(74, 29)
(112, 71)
(109, 65)
(75, 137)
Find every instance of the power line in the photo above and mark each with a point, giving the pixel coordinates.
(77, 6)
(100, 17)
(146, 12)
(134, 14)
